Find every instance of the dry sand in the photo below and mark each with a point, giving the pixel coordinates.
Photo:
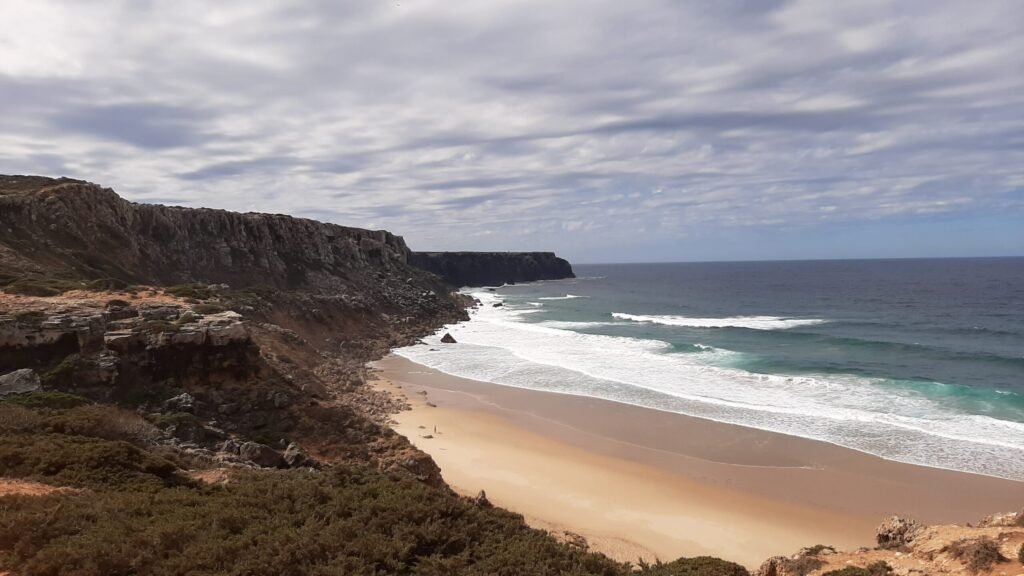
(643, 483)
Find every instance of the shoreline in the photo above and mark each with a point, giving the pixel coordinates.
(678, 485)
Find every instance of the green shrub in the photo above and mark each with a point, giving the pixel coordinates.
(106, 284)
(15, 418)
(979, 554)
(159, 326)
(350, 520)
(803, 565)
(205, 309)
(198, 291)
(83, 462)
(62, 375)
(818, 549)
(53, 400)
(30, 317)
(699, 566)
(41, 286)
(104, 422)
(880, 568)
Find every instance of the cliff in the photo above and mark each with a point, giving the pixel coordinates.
(78, 229)
(492, 268)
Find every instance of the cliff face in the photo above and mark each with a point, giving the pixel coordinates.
(492, 268)
(83, 230)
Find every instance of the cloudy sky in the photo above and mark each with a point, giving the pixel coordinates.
(606, 130)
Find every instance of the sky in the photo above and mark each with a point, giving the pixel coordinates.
(605, 130)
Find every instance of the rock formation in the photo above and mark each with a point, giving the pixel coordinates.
(492, 268)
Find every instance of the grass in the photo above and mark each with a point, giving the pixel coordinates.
(979, 554)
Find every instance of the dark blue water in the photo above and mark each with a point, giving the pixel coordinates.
(914, 360)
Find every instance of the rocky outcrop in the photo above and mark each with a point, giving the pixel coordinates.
(897, 532)
(909, 548)
(492, 268)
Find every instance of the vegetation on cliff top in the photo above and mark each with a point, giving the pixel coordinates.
(139, 513)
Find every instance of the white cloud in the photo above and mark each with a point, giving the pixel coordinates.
(521, 123)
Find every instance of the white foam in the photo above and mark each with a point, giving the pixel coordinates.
(566, 297)
(496, 346)
(752, 322)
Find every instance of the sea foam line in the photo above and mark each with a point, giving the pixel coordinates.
(752, 322)
(497, 346)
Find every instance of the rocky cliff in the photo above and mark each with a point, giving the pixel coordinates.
(259, 325)
(78, 229)
(492, 268)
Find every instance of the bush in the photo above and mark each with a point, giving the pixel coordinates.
(346, 521)
(979, 554)
(803, 565)
(41, 286)
(205, 309)
(699, 566)
(106, 284)
(30, 317)
(103, 422)
(159, 326)
(15, 418)
(818, 549)
(880, 568)
(61, 375)
(197, 291)
(83, 462)
(118, 303)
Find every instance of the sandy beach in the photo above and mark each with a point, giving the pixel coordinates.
(637, 482)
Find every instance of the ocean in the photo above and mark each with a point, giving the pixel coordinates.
(919, 361)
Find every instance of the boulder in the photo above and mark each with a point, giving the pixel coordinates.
(295, 457)
(260, 455)
(774, 566)
(448, 338)
(183, 402)
(896, 531)
(19, 381)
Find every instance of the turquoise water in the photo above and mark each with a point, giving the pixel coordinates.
(920, 361)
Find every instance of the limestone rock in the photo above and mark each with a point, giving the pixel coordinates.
(260, 455)
(896, 531)
(448, 338)
(295, 457)
(774, 566)
(183, 402)
(19, 381)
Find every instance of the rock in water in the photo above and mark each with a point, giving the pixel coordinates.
(19, 381)
(448, 339)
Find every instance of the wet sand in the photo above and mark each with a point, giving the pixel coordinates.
(638, 482)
